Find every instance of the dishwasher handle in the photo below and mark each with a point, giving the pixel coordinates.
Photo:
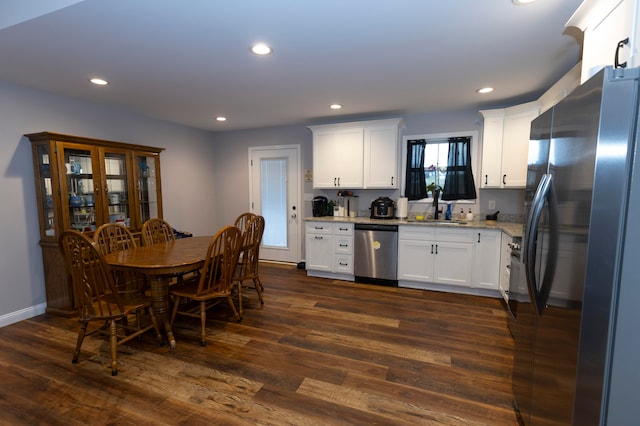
(375, 227)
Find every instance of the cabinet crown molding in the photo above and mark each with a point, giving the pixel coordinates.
(367, 123)
(590, 12)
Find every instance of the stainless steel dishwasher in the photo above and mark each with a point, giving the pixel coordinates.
(376, 254)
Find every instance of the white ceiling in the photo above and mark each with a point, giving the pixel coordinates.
(189, 61)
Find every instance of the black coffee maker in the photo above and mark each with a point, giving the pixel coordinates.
(319, 206)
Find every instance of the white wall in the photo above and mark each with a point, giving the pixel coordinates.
(186, 162)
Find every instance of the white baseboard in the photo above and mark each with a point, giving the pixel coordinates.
(22, 314)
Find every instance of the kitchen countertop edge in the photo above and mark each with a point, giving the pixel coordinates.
(510, 228)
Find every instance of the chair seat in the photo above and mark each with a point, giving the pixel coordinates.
(189, 289)
(131, 304)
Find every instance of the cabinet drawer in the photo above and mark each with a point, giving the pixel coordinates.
(343, 245)
(343, 264)
(454, 235)
(318, 228)
(343, 228)
(416, 232)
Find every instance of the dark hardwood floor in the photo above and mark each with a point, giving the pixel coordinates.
(318, 352)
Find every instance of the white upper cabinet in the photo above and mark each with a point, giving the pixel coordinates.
(381, 156)
(356, 155)
(505, 145)
(337, 157)
(605, 24)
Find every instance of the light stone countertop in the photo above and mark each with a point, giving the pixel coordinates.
(510, 228)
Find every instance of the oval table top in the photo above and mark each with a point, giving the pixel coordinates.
(182, 255)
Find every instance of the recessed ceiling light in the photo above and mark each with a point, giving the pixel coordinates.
(335, 106)
(485, 90)
(99, 81)
(221, 118)
(261, 49)
(522, 2)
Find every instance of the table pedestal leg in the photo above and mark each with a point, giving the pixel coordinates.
(160, 303)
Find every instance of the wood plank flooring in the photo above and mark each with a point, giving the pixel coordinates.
(318, 352)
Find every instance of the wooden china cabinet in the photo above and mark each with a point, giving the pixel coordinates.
(82, 183)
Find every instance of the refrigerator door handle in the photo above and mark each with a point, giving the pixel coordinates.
(545, 193)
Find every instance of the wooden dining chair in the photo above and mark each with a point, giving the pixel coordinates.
(111, 237)
(242, 221)
(99, 299)
(156, 230)
(214, 283)
(248, 260)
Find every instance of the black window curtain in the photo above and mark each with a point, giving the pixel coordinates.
(416, 185)
(459, 184)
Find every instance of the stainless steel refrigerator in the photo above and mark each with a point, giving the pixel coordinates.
(577, 332)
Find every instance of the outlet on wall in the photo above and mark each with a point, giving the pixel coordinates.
(492, 204)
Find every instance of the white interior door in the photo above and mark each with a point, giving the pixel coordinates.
(275, 191)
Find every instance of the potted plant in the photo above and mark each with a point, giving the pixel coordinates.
(432, 188)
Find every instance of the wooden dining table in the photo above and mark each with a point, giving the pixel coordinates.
(159, 263)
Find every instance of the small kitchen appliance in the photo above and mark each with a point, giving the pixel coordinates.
(319, 206)
(348, 205)
(382, 208)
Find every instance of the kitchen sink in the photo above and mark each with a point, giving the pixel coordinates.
(439, 222)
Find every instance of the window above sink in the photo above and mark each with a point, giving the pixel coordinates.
(435, 159)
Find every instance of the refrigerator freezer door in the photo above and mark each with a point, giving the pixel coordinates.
(563, 351)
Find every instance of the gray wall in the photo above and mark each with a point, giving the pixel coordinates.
(232, 164)
(204, 175)
(186, 162)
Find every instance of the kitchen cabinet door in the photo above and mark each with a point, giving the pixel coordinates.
(319, 252)
(505, 145)
(605, 24)
(492, 148)
(415, 260)
(515, 148)
(381, 156)
(486, 264)
(452, 263)
(337, 157)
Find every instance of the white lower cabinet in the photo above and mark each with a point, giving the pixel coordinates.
(486, 265)
(435, 255)
(329, 250)
(449, 259)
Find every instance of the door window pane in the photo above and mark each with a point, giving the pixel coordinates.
(273, 173)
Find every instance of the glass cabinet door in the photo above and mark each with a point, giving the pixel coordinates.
(117, 181)
(46, 189)
(80, 188)
(149, 198)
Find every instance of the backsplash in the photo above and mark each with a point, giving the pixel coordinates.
(509, 202)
